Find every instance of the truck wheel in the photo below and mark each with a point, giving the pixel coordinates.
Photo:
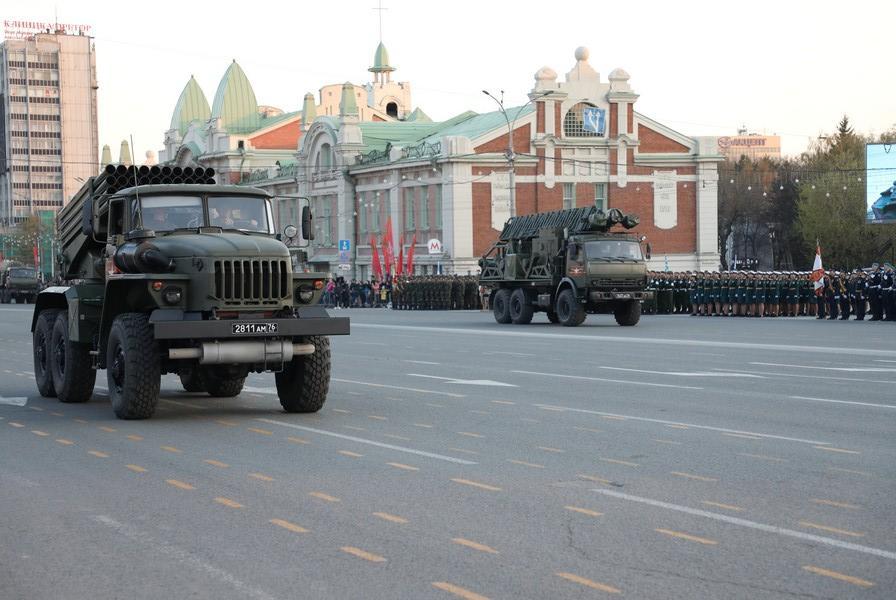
(43, 333)
(628, 313)
(191, 379)
(70, 364)
(132, 367)
(520, 310)
(303, 384)
(570, 311)
(219, 385)
(501, 306)
(552, 317)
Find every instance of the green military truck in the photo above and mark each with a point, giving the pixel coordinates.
(20, 284)
(566, 263)
(171, 273)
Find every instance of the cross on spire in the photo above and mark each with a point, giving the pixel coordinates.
(380, 10)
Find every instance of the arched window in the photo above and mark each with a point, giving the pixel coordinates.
(573, 122)
(392, 109)
(324, 158)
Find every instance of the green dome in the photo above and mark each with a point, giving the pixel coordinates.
(381, 60)
(191, 106)
(235, 102)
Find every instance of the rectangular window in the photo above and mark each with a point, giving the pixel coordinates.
(326, 238)
(424, 207)
(362, 214)
(569, 195)
(409, 223)
(437, 202)
(376, 207)
(600, 196)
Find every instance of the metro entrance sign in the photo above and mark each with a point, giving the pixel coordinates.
(434, 246)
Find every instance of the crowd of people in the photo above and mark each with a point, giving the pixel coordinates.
(863, 292)
(405, 292)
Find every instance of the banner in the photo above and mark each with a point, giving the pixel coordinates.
(399, 264)
(411, 255)
(388, 254)
(375, 264)
(818, 272)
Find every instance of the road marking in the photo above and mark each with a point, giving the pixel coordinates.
(97, 454)
(480, 412)
(470, 434)
(667, 442)
(172, 449)
(182, 557)
(14, 424)
(296, 440)
(56, 414)
(846, 369)
(457, 591)
(691, 476)
(403, 466)
(595, 585)
(835, 575)
(853, 471)
(474, 545)
(832, 529)
(662, 385)
(434, 405)
(65, 442)
(342, 410)
(814, 376)
(451, 459)
(397, 437)
(363, 554)
(82, 421)
(37, 408)
(423, 425)
(843, 401)
(685, 536)
(462, 450)
(185, 404)
(750, 524)
(743, 436)
(842, 450)
(226, 423)
(590, 429)
(391, 518)
(509, 353)
(507, 402)
(289, 526)
(594, 479)
(721, 505)
(377, 417)
(619, 462)
(354, 428)
(398, 387)
(228, 502)
(763, 457)
(686, 374)
(107, 429)
(421, 362)
(350, 453)
(677, 425)
(179, 484)
(135, 438)
(488, 382)
(261, 431)
(261, 477)
(136, 468)
(39, 432)
(483, 486)
(216, 463)
(528, 420)
(525, 464)
(834, 503)
(323, 496)
(584, 511)
(550, 449)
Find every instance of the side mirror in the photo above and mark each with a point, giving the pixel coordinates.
(307, 231)
(87, 218)
(648, 251)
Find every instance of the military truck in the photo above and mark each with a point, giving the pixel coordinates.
(566, 263)
(20, 284)
(172, 273)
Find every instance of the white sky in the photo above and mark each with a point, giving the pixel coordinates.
(790, 67)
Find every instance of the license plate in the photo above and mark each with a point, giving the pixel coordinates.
(623, 296)
(253, 328)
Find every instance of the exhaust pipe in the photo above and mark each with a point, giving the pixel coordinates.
(242, 352)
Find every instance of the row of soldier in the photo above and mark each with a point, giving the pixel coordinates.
(774, 294)
(436, 292)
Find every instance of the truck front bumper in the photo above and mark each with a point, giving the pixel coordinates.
(599, 296)
(172, 325)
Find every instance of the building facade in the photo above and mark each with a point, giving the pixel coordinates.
(751, 145)
(48, 125)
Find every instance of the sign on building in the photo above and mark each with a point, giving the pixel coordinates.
(594, 120)
(434, 246)
(665, 199)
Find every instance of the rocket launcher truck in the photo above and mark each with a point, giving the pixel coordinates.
(169, 272)
(566, 263)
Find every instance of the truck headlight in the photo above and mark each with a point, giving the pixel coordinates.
(304, 294)
(172, 295)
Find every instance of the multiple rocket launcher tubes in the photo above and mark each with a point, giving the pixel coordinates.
(118, 177)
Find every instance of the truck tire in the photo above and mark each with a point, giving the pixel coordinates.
(552, 317)
(570, 311)
(520, 310)
(219, 385)
(628, 313)
(40, 342)
(303, 384)
(501, 306)
(191, 379)
(133, 371)
(70, 364)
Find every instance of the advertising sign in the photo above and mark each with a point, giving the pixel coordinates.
(20, 29)
(880, 183)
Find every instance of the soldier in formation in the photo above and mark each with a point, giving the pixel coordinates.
(436, 292)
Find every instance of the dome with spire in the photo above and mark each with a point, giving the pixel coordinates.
(191, 106)
(381, 60)
(235, 102)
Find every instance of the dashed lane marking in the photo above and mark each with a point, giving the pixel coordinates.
(852, 471)
(179, 484)
(525, 464)
(37, 408)
(349, 453)
(863, 583)
(677, 426)
(612, 417)
(261, 431)
(216, 463)
(135, 438)
(65, 442)
(470, 434)
(845, 532)
(172, 449)
(843, 401)
(324, 497)
(261, 477)
(424, 425)
(368, 556)
(474, 545)
(692, 476)
(397, 437)
(763, 457)
(39, 432)
(296, 440)
(342, 410)
(742, 436)
(15, 424)
(483, 486)
(619, 462)
(435, 405)
(107, 429)
(82, 421)
(722, 505)
(359, 440)
(594, 479)
(603, 379)
(398, 387)
(464, 451)
(56, 414)
(835, 503)
(226, 423)
(507, 402)
(377, 417)
(457, 591)
(288, 526)
(841, 450)
(136, 468)
(584, 511)
(667, 442)
(801, 535)
(390, 518)
(686, 536)
(228, 502)
(403, 466)
(595, 585)
(589, 429)
(97, 454)
(550, 449)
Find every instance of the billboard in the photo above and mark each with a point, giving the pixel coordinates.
(880, 183)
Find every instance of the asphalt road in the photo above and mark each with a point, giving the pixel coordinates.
(683, 458)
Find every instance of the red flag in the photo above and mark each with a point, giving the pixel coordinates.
(399, 264)
(388, 254)
(411, 255)
(818, 272)
(36, 265)
(375, 259)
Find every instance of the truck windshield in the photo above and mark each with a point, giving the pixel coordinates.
(239, 212)
(613, 249)
(29, 273)
(167, 213)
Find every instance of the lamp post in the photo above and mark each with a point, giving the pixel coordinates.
(511, 155)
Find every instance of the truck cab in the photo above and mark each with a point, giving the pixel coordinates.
(19, 284)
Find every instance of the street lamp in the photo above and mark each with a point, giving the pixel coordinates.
(511, 155)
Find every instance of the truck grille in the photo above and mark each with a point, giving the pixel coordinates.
(251, 281)
(621, 283)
